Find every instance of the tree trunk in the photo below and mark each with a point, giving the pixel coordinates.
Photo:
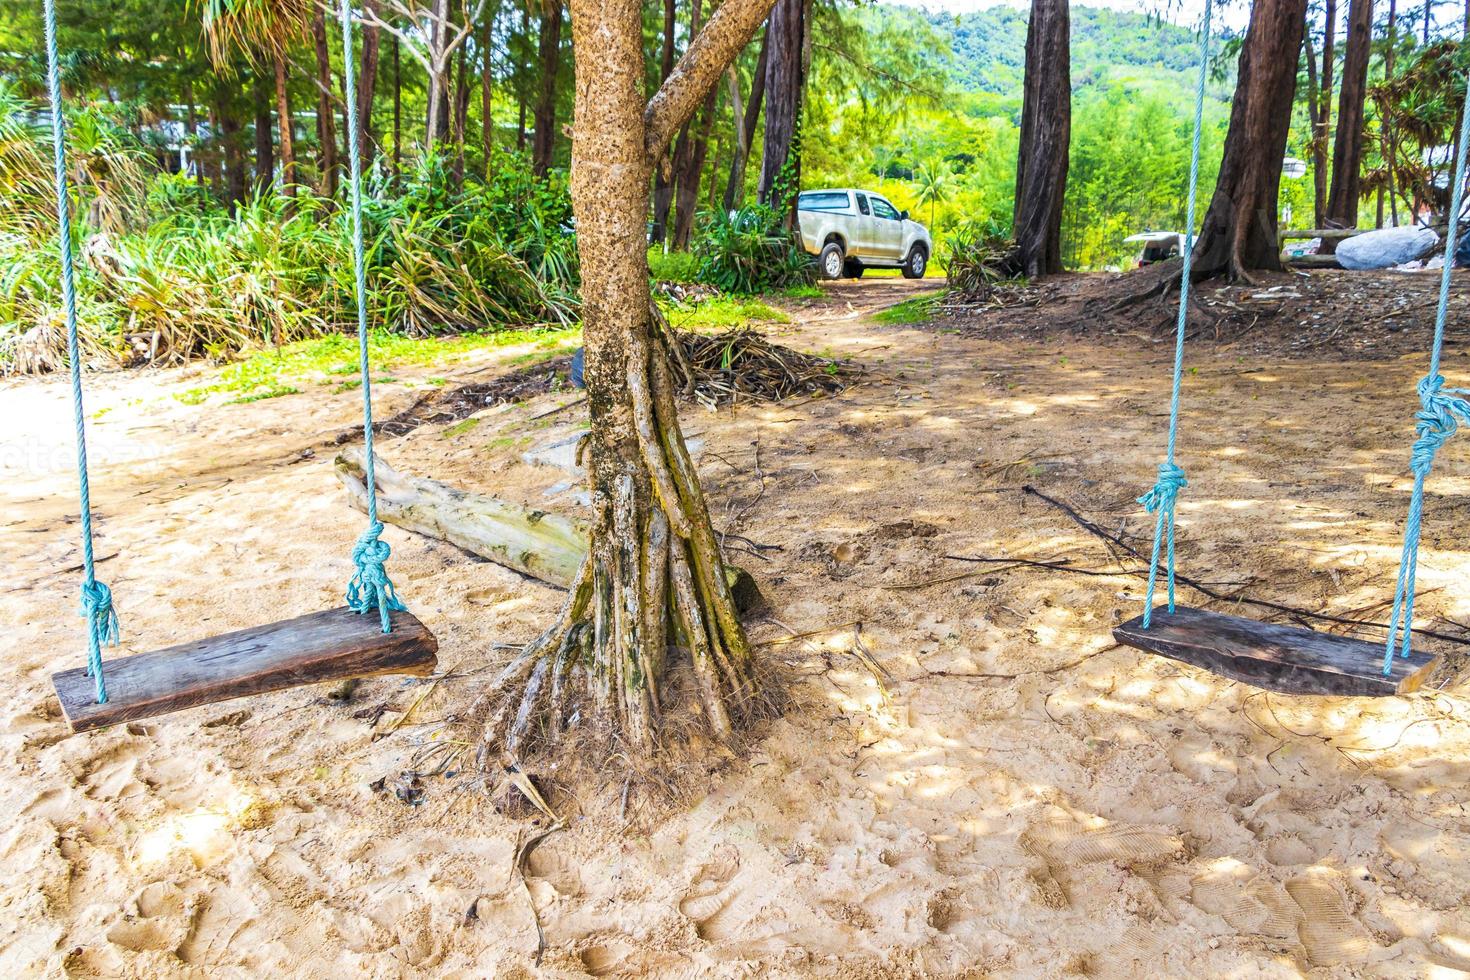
(326, 129)
(368, 83)
(691, 166)
(460, 112)
(397, 112)
(735, 187)
(487, 94)
(1046, 134)
(784, 84)
(283, 120)
(521, 82)
(234, 153)
(653, 575)
(1323, 114)
(1239, 231)
(663, 182)
(550, 59)
(1347, 150)
(1390, 144)
(436, 113)
(265, 140)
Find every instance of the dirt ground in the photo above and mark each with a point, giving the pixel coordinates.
(1021, 798)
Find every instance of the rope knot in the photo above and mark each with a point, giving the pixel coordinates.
(370, 587)
(99, 612)
(1162, 495)
(1442, 411)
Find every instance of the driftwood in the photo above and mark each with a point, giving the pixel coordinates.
(541, 545)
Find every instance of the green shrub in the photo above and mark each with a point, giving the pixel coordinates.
(682, 267)
(978, 255)
(749, 251)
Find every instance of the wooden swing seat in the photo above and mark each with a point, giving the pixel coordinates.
(1287, 659)
(337, 644)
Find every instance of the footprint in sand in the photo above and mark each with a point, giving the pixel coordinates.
(158, 918)
(1329, 934)
(715, 902)
(556, 869)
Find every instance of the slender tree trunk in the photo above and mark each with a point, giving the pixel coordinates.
(784, 84)
(460, 113)
(435, 114)
(663, 183)
(689, 164)
(487, 94)
(283, 120)
(1314, 120)
(1239, 232)
(326, 129)
(234, 154)
(1321, 172)
(192, 123)
(521, 81)
(653, 577)
(265, 140)
(544, 143)
(1390, 144)
(397, 112)
(1046, 136)
(1347, 151)
(368, 84)
(735, 187)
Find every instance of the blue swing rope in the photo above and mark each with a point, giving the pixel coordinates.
(1161, 498)
(97, 608)
(370, 587)
(1441, 412)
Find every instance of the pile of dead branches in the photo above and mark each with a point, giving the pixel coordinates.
(741, 364)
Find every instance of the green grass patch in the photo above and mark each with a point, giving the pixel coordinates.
(332, 360)
(801, 292)
(722, 313)
(916, 310)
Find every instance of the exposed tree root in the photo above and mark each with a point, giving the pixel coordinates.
(653, 583)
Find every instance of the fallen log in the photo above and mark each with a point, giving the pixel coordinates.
(541, 545)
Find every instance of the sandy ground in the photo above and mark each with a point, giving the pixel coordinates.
(1026, 799)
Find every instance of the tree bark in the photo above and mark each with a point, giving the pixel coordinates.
(544, 142)
(783, 95)
(265, 141)
(1323, 115)
(1046, 134)
(283, 120)
(735, 187)
(653, 572)
(663, 184)
(1347, 151)
(1239, 231)
(326, 129)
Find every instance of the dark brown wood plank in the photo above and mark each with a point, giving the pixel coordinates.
(333, 645)
(1275, 657)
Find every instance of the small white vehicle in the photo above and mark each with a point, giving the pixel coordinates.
(851, 230)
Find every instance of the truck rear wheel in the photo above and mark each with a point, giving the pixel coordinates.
(830, 262)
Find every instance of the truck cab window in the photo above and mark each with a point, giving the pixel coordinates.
(862, 200)
(884, 210)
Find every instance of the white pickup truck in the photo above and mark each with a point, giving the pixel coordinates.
(851, 230)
